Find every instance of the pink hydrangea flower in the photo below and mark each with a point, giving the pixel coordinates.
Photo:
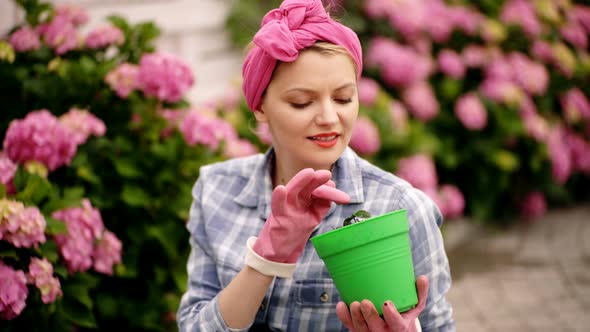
(7, 209)
(400, 65)
(173, 117)
(164, 76)
(200, 128)
(7, 171)
(533, 205)
(409, 17)
(559, 155)
(399, 116)
(438, 20)
(581, 15)
(465, 19)
(533, 77)
(239, 148)
(123, 79)
(421, 101)
(575, 105)
(263, 133)
(453, 201)
(13, 293)
(474, 55)
(580, 152)
(543, 51)
(24, 39)
(521, 12)
(25, 228)
(75, 14)
(39, 136)
(59, 34)
(82, 124)
(367, 91)
(502, 91)
(107, 253)
(365, 137)
(535, 125)
(471, 112)
(419, 170)
(104, 36)
(85, 226)
(451, 64)
(378, 8)
(575, 34)
(41, 275)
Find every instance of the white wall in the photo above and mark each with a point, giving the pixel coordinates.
(191, 29)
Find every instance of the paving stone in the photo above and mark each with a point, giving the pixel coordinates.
(526, 278)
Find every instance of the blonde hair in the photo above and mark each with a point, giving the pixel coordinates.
(320, 46)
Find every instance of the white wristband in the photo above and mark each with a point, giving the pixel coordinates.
(265, 266)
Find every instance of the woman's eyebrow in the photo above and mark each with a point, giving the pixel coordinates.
(306, 90)
(347, 85)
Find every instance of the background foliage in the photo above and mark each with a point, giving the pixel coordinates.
(518, 143)
(139, 173)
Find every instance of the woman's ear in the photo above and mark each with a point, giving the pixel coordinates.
(260, 114)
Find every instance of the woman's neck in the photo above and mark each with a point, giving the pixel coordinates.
(281, 172)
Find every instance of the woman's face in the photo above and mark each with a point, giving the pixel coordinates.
(310, 106)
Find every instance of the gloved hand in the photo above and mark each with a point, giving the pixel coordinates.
(364, 317)
(296, 209)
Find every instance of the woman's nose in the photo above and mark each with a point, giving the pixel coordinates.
(327, 114)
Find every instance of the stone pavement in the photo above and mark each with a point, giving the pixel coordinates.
(528, 277)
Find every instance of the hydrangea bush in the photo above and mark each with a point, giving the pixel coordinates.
(99, 153)
(483, 105)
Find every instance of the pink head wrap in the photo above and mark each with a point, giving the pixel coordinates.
(295, 25)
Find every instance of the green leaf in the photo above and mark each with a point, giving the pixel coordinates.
(55, 226)
(505, 160)
(8, 252)
(362, 214)
(134, 195)
(49, 251)
(127, 168)
(79, 314)
(34, 188)
(86, 173)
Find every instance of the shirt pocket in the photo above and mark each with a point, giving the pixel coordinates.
(315, 306)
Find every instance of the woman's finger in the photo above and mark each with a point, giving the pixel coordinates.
(344, 314)
(358, 320)
(375, 323)
(393, 318)
(422, 287)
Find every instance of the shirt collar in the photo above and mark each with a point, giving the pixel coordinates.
(257, 191)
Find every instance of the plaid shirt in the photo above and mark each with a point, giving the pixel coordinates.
(231, 203)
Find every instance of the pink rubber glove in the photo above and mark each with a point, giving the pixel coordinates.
(296, 209)
(364, 317)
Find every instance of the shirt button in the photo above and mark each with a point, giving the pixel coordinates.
(324, 297)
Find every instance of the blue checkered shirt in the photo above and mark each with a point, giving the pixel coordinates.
(231, 201)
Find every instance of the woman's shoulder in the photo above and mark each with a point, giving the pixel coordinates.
(376, 175)
(240, 167)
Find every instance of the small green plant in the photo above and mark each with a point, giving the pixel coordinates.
(357, 216)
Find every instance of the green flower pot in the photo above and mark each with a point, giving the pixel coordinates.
(371, 260)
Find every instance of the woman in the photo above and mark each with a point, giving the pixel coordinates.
(252, 266)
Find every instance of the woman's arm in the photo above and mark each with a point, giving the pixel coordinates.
(240, 300)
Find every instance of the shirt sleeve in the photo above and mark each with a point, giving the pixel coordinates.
(199, 309)
(430, 259)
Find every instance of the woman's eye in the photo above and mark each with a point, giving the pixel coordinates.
(300, 105)
(344, 100)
